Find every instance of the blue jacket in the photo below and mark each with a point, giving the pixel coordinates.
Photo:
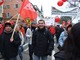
(62, 38)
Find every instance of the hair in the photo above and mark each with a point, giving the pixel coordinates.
(70, 25)
(41, 20)
(71, 45)
(7, 24)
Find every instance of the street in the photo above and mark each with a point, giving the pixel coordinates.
(26, 54)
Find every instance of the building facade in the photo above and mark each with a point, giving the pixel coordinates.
(11, 8)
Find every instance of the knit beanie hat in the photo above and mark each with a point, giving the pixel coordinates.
(8, 24)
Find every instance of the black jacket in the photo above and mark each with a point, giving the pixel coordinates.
(9, 49)
(61, 56)
(42, 42)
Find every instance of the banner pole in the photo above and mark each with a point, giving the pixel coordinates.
(13, 17)
(15, 27)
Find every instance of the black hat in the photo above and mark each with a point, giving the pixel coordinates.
(8, 24)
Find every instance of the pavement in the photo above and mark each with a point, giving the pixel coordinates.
(26, 53)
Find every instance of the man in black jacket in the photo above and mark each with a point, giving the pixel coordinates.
(9, 46)
(42, 42)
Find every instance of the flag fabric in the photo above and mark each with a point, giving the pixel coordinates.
(1, 2)
(27, 21)
(27, 10)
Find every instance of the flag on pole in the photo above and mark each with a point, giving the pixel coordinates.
(27, 10)
(27, 21)
(1, 2)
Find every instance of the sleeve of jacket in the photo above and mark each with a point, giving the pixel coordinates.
(34, 39)
(0, 43)
(29, 33)
(59, 55)
(22, 38)
(51, 42)
(17, 40)
(61, 39)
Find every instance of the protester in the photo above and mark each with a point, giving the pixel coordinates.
(42, 42)
(33, 26)
(52, 30)
(22, 42)
(64, 35)
(71, 47)
(22, 30)
(59, 30)
(9, 46)
(29, 40)
(1, 29)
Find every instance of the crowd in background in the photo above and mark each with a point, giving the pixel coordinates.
(40, 39)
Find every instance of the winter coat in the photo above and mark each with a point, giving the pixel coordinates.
(21, 37)
(58, 32)
(1, 30)
(42, 42)
(61, 56)
(62, 38)
(9, 49)
(29, 36)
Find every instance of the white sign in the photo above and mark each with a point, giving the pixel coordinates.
(49, 21)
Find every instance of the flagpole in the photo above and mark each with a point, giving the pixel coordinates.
(15, 26)
(13, 17)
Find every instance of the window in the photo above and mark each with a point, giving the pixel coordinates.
(16, 6)
(7, 6)
(8, 15)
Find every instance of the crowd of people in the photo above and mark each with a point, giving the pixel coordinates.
(40, 39)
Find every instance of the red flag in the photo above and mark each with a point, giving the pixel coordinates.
(1, 2)
(27, 10)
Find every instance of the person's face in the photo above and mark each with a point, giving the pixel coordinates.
(8, 28)
(41, 24)
(69, 28)
(17, 28)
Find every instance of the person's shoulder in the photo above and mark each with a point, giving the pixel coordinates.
(35, 31)
(47, 30)
(16, 34)
(59, 55)
(63, 32)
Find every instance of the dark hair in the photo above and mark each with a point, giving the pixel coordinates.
(42, 20)
(7, 24)
(71, 45)
(70, 25)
